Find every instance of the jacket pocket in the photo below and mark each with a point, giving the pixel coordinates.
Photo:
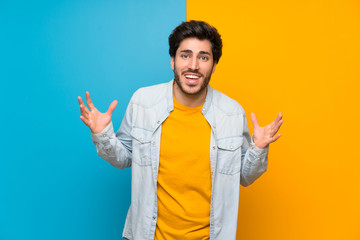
(229, 155)
(141, 146)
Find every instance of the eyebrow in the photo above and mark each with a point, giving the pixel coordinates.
(201, 52)
(186, 51)
(204, 52)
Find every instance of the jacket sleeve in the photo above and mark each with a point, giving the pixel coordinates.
(116, 148)
(254, 160)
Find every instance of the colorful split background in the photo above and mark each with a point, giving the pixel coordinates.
(53, 186)
(300, 58)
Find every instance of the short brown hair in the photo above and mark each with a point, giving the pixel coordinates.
(196, 29)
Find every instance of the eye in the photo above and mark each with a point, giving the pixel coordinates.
(204, 58)
(185, 56)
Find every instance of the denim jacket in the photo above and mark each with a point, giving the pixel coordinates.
(234, 158)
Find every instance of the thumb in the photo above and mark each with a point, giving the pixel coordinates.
(112, 107)
(254, 120)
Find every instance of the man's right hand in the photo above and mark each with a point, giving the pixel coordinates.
(95, 120)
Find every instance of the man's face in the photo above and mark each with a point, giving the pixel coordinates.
(193, 65)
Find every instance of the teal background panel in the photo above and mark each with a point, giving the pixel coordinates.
(52, 183)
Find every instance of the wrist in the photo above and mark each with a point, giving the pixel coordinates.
(259, 144)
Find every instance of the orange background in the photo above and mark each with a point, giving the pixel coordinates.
(301, 58)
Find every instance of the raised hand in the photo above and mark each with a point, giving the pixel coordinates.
(263, 136)
(93, 118)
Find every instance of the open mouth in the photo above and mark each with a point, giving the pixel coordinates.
(192, 78)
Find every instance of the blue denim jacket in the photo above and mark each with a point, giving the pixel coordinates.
(234, 158)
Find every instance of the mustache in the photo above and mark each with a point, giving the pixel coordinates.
(192, 71)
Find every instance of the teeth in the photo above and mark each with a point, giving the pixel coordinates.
(191, 76)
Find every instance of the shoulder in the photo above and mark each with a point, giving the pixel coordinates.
(151, 95)
(226, 104)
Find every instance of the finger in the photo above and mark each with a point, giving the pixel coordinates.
(84, 113)
(273, 139)
(89, 102)
(85, 116)
(85, 120)
(254, 120)
(112, 107)
(83, 109)
(278, 118)
(278, 125)
(80, 100)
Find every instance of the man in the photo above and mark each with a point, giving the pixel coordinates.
(188, 145)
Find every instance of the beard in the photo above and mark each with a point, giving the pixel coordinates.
(203, 86)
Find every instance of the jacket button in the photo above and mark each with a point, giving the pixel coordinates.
(154, 217)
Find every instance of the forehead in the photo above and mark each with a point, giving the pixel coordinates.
(195, 45)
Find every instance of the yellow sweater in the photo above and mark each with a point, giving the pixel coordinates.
(184, 180)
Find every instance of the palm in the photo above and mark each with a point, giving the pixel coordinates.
(93, 118)
(263, 136)
(98, 120)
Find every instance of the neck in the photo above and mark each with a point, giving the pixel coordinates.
(189, 100)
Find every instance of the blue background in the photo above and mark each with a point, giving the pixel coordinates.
(52, 183)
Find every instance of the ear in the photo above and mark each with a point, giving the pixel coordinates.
(172, 63)
(213, 69)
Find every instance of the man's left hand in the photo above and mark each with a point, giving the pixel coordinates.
(263, 136)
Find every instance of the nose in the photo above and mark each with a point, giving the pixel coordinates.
(194, 63)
